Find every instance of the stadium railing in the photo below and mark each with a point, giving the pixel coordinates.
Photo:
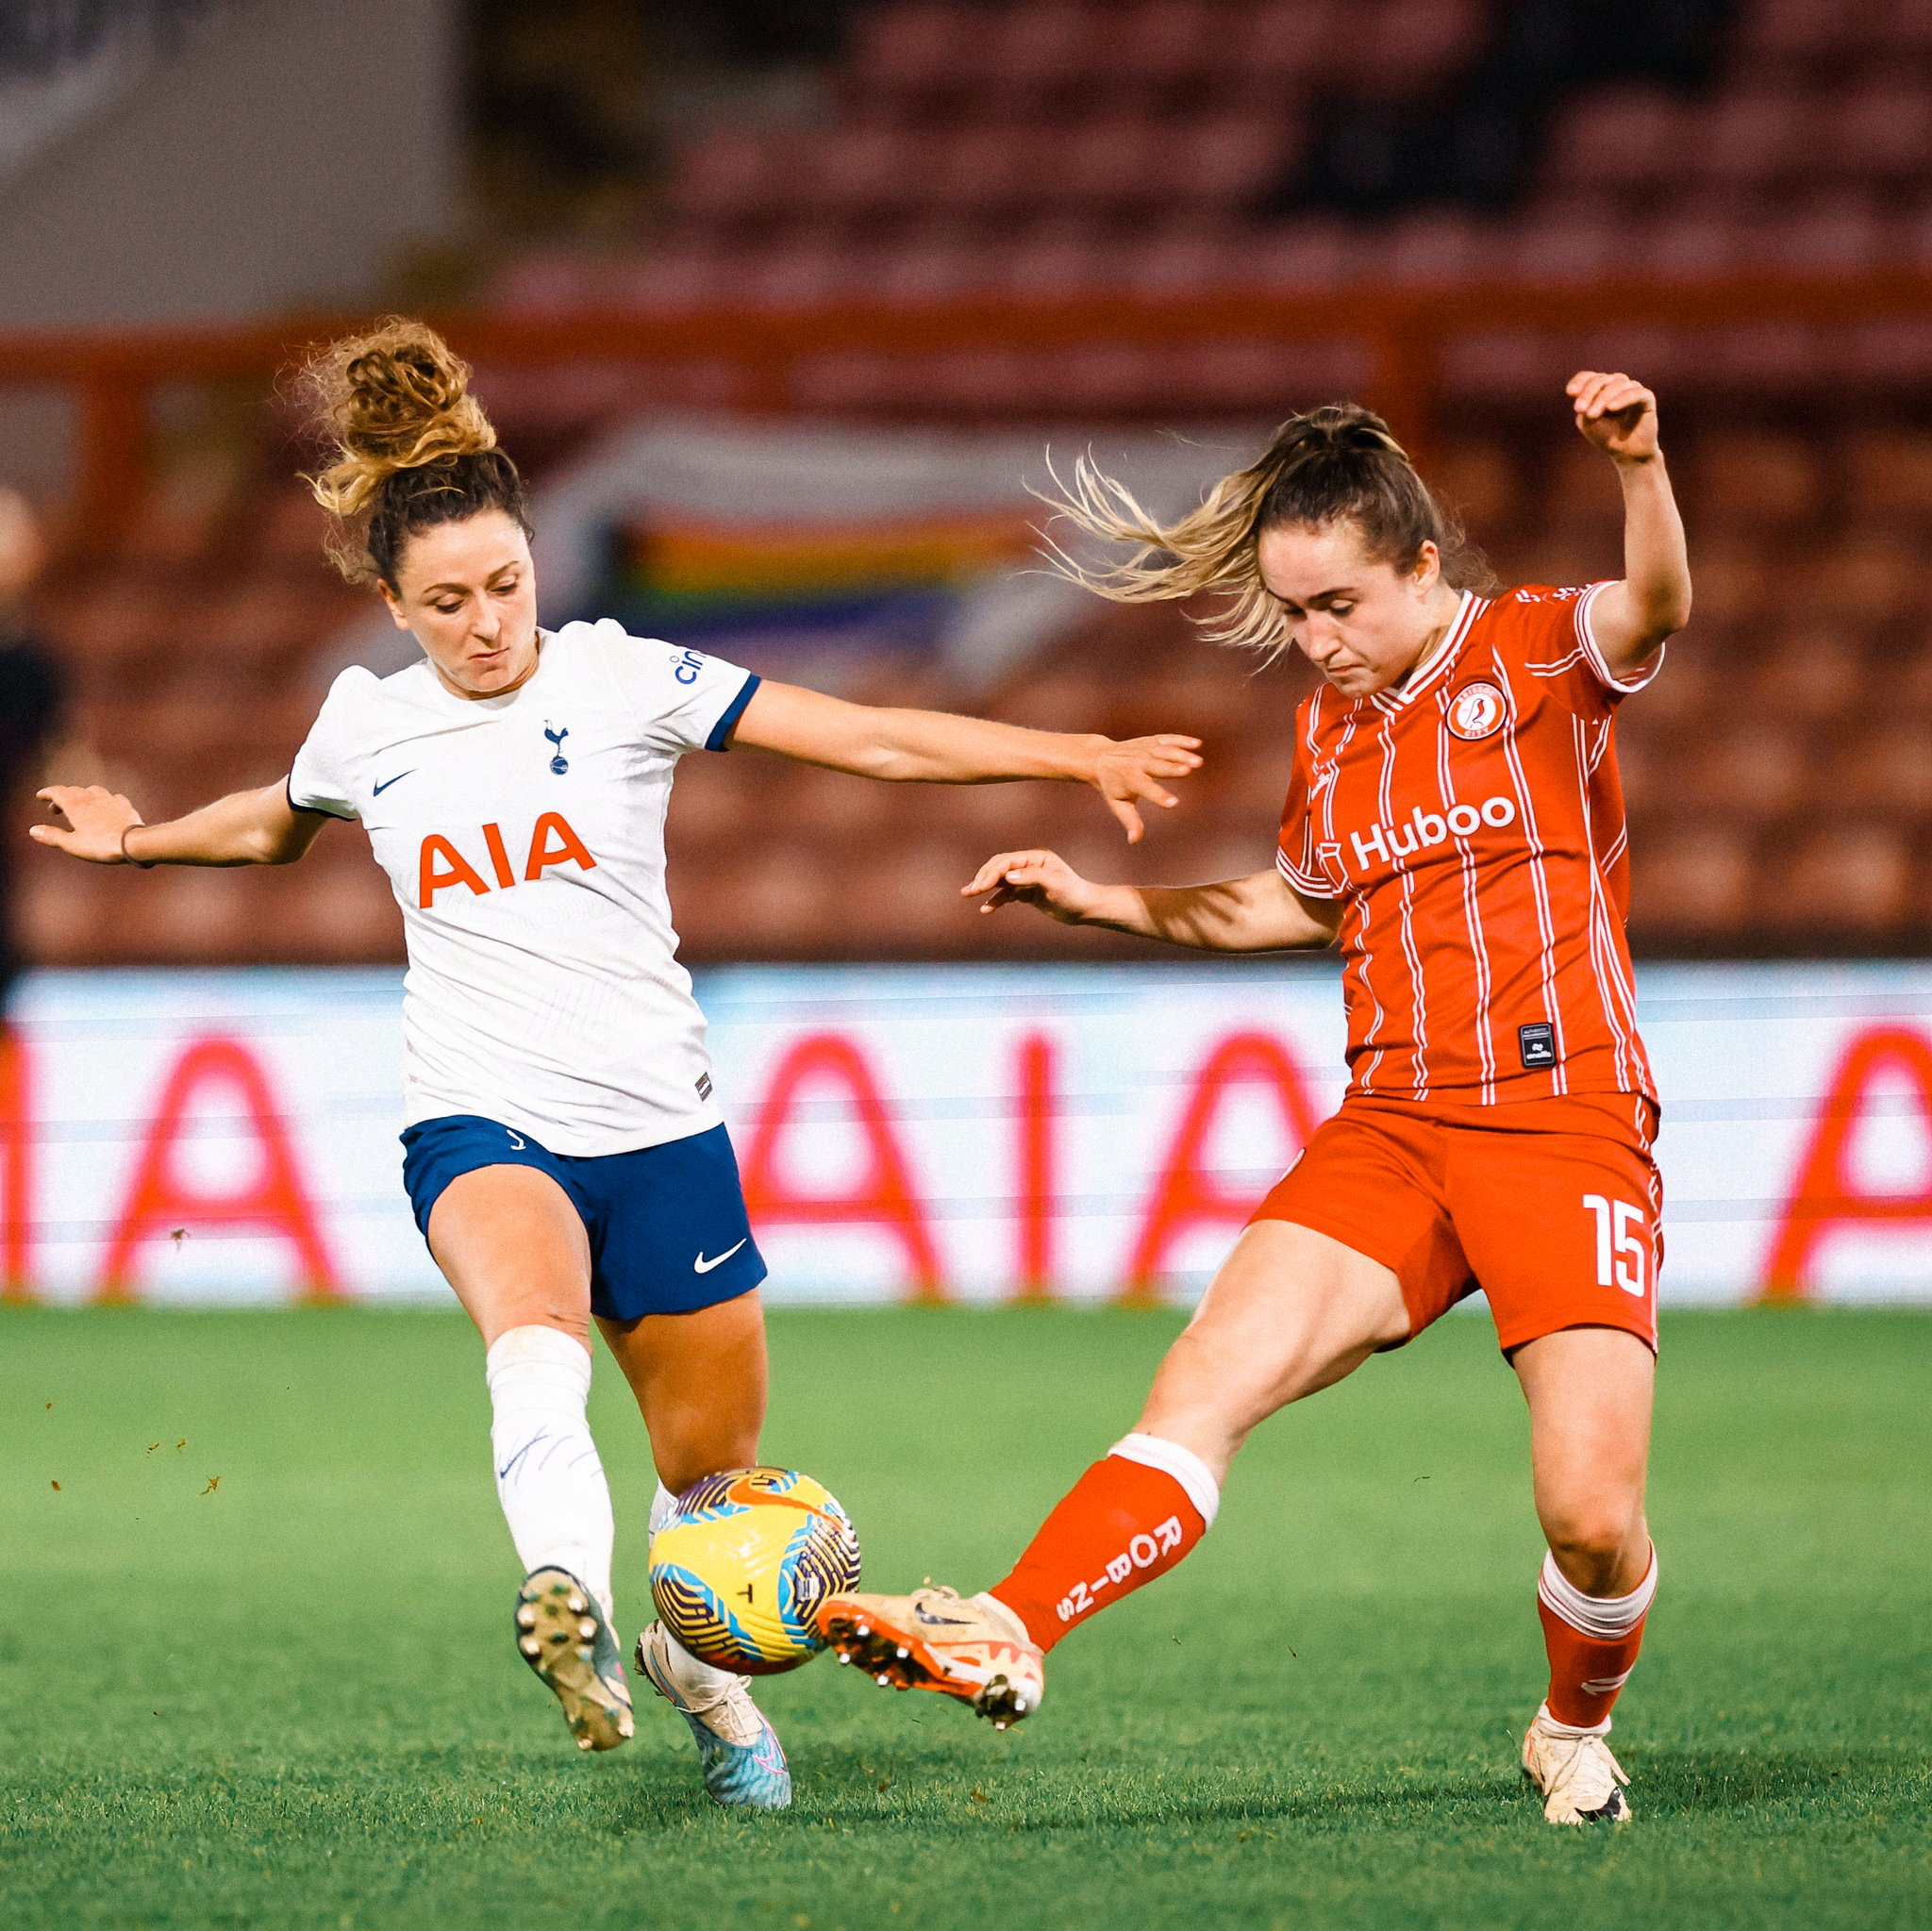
(1406, 335)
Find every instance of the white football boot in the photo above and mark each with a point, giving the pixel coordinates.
(1581, 1781)
(971, 1647)
(739, 1752)
(562, 1635)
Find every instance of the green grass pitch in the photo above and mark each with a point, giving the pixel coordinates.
(255, 1666)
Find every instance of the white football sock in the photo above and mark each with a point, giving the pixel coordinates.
(549, 1477)
(699, 1684)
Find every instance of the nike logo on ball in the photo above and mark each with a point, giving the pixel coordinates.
(703, 1266)
(377, 790)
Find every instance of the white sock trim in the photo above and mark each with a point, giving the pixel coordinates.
(1183, 1464)
(1604, 1618)
(518, 1347)
(701, 1685)
(663, 1506)
(1008, 1619)
(1551, 1727)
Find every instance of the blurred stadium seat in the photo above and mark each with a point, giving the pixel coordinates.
(1032, 154)
(1808, 572)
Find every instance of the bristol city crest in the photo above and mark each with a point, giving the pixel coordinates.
(1475, 711)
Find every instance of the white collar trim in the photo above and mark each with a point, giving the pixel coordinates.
(1439, 661)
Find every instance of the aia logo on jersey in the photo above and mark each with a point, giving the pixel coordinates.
(1475, 712)
(440, 865)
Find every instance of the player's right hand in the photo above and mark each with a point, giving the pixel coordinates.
(1041, 879)
(1614, 413)
(97, 820)
(1128, 773)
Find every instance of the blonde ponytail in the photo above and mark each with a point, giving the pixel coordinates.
(1339, 463)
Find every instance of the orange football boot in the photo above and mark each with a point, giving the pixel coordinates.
(971, 1647)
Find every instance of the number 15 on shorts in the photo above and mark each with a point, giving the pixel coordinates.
(1620, 1243)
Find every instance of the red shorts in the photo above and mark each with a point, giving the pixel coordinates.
(1550, 1206)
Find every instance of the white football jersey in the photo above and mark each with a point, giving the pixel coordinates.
(523, 838)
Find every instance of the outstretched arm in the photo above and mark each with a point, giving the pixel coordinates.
(1630, 619)
(245, 828)
(935, 747)
(1259, 913)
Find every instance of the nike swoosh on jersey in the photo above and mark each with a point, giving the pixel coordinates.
(377, 790)
(703, 1266)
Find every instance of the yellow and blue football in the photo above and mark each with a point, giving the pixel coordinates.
(738, 1572)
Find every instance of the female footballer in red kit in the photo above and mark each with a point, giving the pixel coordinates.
(1454, 820)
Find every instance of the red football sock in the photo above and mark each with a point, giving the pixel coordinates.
(1127, 1520)
(1593, 1643)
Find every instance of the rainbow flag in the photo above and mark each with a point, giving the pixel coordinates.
(682, 577)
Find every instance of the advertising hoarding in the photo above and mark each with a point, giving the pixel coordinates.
(970, 1133)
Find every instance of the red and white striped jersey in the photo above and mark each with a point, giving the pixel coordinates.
(1471, 823)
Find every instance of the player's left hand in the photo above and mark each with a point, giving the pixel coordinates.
(1616, 414)
(1128, 773)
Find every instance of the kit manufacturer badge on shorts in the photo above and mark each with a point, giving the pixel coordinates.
(1537, 1042)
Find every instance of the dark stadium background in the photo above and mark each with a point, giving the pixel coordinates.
(764, 257)
(943, 214)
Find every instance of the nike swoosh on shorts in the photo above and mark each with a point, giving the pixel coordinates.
(703, 1266)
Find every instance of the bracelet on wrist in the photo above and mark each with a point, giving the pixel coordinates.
(127, 858)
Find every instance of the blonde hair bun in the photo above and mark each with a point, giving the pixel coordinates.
(397, 398)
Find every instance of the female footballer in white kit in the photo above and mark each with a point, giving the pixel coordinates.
(564, 1152)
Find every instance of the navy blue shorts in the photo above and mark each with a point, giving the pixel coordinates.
(667, 1223)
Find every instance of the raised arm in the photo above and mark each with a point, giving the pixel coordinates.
(935, 747)
(1630, 619)
(1259, 913)
(245, 828)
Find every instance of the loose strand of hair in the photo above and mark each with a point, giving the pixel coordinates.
(1209, 549)
(1106, 508)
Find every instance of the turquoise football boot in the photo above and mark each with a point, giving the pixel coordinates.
(743, 1762)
